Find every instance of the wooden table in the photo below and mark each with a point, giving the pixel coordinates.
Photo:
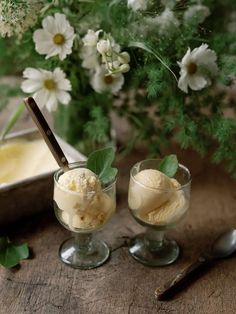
(45, 285)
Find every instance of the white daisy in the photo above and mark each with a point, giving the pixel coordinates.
(49, 88)
(196, 68)
(198, 11)
(136, 5)
(101, 81)
(56, 37)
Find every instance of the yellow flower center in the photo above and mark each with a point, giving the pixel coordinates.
(58, 39)
(49, 84)
(108, 79)
(192, 68)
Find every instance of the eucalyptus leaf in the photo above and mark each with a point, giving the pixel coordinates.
(169, 165)
(11, 254)
(100, 162)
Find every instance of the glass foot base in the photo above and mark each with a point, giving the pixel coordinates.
(153, 253)
(86, 258)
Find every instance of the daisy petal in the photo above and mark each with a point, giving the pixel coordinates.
(49, 24)
(118, 83)
(52, 102)
(45, 48)
(53, 51)
(69, 33)
(186, 58)
(63, 97)
(58, 75)
(32, 73)
(31, 86)
(41, 97)
(64, 84)
(183, 83)
(197, 52)
(197, 82)
(61, 23)
(41, 35)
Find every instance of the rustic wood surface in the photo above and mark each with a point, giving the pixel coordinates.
(43, 284)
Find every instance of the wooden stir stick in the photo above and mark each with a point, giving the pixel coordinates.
(47, 133)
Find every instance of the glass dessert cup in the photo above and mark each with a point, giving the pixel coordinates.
(83, 214)
(157, 209)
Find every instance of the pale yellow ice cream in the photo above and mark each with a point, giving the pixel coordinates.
(155, 198)
(21, 159)
(81, 200)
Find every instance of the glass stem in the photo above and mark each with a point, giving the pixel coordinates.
(83, 242)
(154, 239)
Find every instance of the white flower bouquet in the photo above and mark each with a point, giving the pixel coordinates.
(167, 66)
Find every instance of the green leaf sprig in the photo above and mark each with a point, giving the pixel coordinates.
(12, 121)
(169, 165)
(11, 254)
(100, 162)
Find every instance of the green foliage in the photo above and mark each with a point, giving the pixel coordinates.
(12, 120)
(169, 165)
(11, 254)
(98, 127)
(100, 162)
(6, 92)
(159, 111)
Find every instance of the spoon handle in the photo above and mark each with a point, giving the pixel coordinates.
(46, 132)
(174, 284)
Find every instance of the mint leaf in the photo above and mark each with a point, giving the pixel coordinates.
(10, 254)
(169, 165)
(109, 175)
(100, 162)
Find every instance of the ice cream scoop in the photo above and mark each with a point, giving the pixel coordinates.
(170, 211)
(149, 189)
(155, 198)
(80, 180)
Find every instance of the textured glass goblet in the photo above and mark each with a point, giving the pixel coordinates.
(158, 209)
(83, 214)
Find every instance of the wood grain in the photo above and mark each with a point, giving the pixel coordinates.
(123, 286)
(45, 285)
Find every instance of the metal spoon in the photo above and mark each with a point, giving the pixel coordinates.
(46, 132)
(222, 247)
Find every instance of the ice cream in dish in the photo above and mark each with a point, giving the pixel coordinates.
(83, 203)
(156, 198)
(159, 196)
(22, 159)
